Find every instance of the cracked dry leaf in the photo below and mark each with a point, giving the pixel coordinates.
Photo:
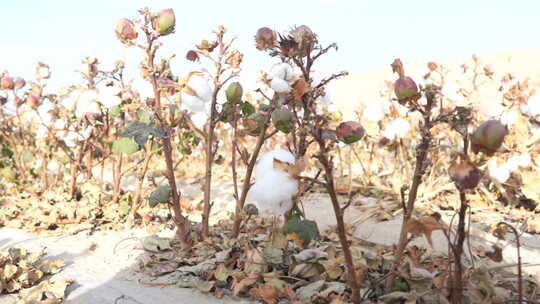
(424, 225)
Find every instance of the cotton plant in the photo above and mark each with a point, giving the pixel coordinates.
(201, 97)
(297, 110)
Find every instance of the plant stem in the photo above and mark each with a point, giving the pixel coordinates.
(422, 151)
(209, 153)
(520, 275)
(456, 291)
(117, 176)
(338, 211)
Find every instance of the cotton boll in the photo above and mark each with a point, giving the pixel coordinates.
(273, 192)
(87, 103)
(44, 111)
(509, 118)
(266, 162)
(109, 96)
(70, 138)
(373, 112)
(193, 103)
(519, 161)
(279, 85)
(282, 71)
(451, 91)
(500, 172)
(532, 107)
(274, 188)
(70, 101)
(59, 124)
(199, 119)
(41, 131)
(52, 166)
(400, 127)
(201, 87)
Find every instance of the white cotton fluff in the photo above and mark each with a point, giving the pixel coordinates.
(398, 128)
(199, 119)
(373, 112)
(519, 161)
(203, 94)
(282, 71)
(532, 107)
(500, 172)
(279, 85)
(109, 96)
(87, 103)
(509, 118)
(325, 99)
(450, 90)
(45, 112)
(274, 188)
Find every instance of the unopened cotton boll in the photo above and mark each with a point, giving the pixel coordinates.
(279, 85)
(282, 71)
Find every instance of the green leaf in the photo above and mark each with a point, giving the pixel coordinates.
(247, 108)
(306, 230)
(115, 111)
(125, 145)
(141, 131)
(27, 156)
(160, 195)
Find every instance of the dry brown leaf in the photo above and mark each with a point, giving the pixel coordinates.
(266, 292)
(255, 262)
(424, 225)
(300, 88)
(289, 292)
(241, 285)
(496, 254)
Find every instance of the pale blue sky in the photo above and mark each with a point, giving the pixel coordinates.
(369, 34)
